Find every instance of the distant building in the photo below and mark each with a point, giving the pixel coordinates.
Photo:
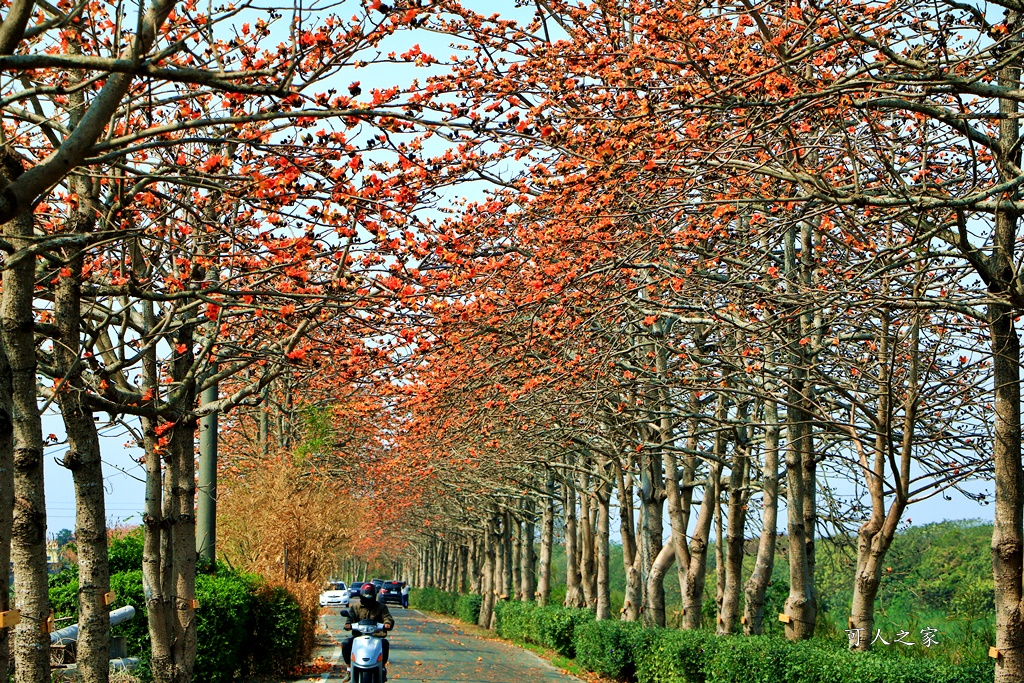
(55, 558)
(52, 551)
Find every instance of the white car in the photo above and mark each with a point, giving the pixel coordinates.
(336, 595)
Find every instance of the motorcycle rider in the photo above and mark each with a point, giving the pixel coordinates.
(368, 608)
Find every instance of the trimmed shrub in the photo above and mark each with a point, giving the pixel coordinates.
(243, 626)
(606, 647)
(755, 659)
(513, 621)
(433, 600)
(549, 626)
(467, 608)
(629, 652)
(222, 625)
(275, 633)
(669, 656)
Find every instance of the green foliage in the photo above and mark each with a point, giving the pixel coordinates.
(670, 656)
(63, 577)
(128, 586)
(243, 626)
(64, 593)
(222, 622)
(275, 630)
(319, 433)
(549, 626)
(628, 651)
(125, 552)
(758, 660)
(606, 647)
(467, 608)
(433, 600)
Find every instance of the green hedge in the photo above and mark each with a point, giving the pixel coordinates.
(606, 647)
(467, 608)
(243, 626)
(433, 600)
(549, 626)
(627, 651)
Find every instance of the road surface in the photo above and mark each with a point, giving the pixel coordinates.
(423, 649)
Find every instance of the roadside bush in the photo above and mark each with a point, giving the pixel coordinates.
(276, 618)
(549, 626)
(433, 600)
(63, 589)
(467, 608)
(222, 625)
(629, 652)
(517, 621)
(757, 659)
(670, 656)
(606, 647)
(243, 626)
(125, 552)
(128, 586)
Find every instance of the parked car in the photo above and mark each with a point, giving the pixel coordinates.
(394, 592)
(336, 595)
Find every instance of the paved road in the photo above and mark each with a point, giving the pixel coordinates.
(423, 649)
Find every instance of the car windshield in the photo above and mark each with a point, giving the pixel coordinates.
(392, 584)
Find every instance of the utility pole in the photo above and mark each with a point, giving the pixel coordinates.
(206, 509)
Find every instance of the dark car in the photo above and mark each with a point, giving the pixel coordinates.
(394, 592)
(353, 589)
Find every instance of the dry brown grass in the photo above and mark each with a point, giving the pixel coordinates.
(272, 512)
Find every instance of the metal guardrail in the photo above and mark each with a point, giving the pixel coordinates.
(69, 634)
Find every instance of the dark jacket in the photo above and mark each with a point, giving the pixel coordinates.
(377, 612)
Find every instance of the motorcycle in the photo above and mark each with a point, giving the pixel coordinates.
(367, 662)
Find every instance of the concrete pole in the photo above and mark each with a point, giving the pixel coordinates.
(206, 509)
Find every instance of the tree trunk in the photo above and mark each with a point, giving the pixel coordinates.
(155, 574)
(654, 610)
(588, 581)
(1008, 530)
(206, 521)
(800, 609)
(6, 500)
(529, 554)
(734, 535)
(508, 562)
(630, 555)
(474, 565)
(652, 496)
(264, 426)
(719, 547)
(517, 558)
(487, 578)
(573, 594)
(83, 457)
(463, 582)
(181, 485)
(801, 606)
(28, 532)
(693, 591)
(547, 542)
(602, 538)
(757, 584)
